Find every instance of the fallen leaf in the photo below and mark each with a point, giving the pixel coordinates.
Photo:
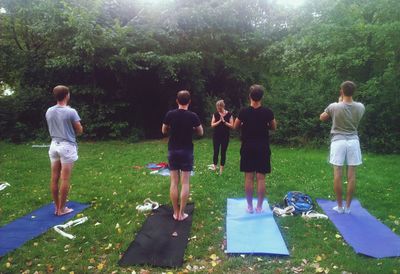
(318, 258)
(50, 268)
(319, 270)
(100, 266)
(297, 269)
(338, 236)
(213, 257)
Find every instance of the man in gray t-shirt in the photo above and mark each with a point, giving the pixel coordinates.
(63, 123)
(345, 145)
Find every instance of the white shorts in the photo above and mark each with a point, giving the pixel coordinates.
(63, 151)
(345, 151)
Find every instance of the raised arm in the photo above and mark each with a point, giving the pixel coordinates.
(237, 123)
(199, 130)
(78, 127)
(324, 116)
(230, 123)
(164, 129)
(273, 125)
(215, 123)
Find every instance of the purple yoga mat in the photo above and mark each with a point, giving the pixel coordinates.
(362, 231)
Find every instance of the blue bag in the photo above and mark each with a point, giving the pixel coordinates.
(300, 201)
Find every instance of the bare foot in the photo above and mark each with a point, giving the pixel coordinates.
(176, 217)
(250, 210)
(183, 216)
(259, 210)
(64, 211)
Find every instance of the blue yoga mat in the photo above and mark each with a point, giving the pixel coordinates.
(255, 233)
(362, 231)
(16, 233)
(165, 172)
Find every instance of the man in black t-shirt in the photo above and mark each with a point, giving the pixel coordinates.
(255, 122)
(181, 123)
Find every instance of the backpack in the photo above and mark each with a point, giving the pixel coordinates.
(300, 201)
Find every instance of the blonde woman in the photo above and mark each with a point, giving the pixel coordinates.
(222, 122)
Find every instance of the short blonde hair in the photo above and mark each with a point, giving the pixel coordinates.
(220, 103)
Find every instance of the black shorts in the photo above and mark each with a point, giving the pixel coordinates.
(255, 158)
(180, 159)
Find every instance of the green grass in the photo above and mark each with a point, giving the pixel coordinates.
(104, 176)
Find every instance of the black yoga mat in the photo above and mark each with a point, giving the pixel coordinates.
(155, 244)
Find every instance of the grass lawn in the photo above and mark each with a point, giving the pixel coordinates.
(104, 176)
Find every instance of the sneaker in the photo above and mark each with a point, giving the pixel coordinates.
(346, 210)
(338, 209)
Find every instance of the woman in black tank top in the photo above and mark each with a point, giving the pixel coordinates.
(222, 122)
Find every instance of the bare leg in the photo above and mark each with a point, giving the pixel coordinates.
(55, 176)
(260, 191)
(221, 169)
(351, 184)
(337, 184)
(66, 171)
(174, 192)
(184, 194)
(248, 187)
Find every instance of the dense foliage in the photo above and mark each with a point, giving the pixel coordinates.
(124, 61)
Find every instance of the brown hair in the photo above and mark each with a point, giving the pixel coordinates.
(256, 92)
(348, 88)
(60, 92)
(183, 97)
